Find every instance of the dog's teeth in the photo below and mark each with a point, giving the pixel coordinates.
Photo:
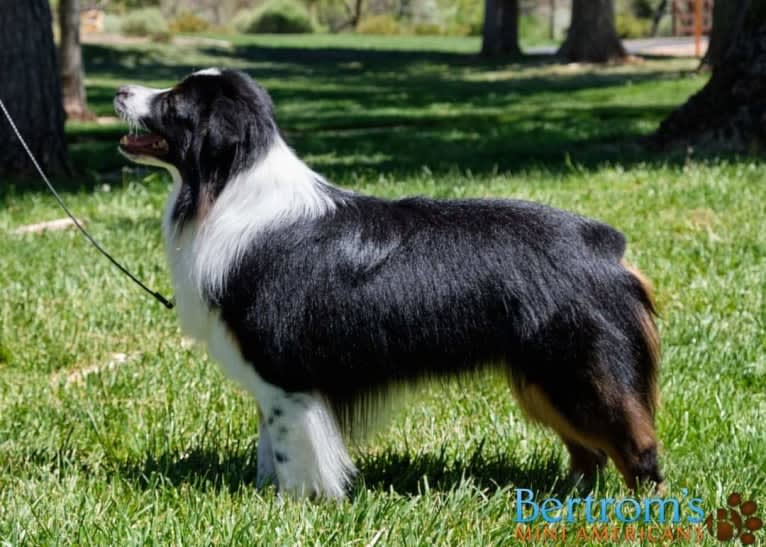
(124, 140)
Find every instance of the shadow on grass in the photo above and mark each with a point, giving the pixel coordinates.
(373, 113)
(412, 474)
(200, 467)
(403, 473)
(398, 146)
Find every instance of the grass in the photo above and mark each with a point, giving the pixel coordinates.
(159, 448)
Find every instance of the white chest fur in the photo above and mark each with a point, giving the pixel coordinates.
(277, 190)
(194, 314)
(300, 443)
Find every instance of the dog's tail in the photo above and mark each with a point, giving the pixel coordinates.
(645, 313)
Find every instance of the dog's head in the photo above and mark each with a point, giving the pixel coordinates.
(210, 126)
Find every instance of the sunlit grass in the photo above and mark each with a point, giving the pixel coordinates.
(159, 448)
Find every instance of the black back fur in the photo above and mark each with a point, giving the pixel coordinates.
(381, 292)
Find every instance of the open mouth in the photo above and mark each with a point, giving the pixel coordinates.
(144, 145)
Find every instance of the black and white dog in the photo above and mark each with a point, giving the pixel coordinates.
(322, 301)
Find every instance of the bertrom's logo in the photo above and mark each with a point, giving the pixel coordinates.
(737, 521)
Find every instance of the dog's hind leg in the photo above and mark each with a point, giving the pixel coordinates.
(632, 445)
(592, 425)
(584, 464)
(590, 373)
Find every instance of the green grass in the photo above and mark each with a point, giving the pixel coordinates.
(161, 448)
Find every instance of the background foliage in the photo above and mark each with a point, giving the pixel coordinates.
(157, 447)
(449, 17)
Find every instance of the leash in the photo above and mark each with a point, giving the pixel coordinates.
(164, 301)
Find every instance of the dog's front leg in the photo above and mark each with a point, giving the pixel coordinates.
(298, 429)
(310, 456)
(266, 473)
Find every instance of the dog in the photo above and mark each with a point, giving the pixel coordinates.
(323, 302)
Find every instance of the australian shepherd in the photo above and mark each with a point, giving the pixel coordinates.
(322, 301)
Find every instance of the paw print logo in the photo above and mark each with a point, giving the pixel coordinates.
(737, 521)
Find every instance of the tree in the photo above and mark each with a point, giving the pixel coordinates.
(501, 28)
(729, 112)
(354, 10)
(218, 12)
(592, 35)
(726, 15)
(657, 16)
(72, 72)
(30, 87)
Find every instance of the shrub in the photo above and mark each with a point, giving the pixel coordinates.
(112, 23)
(379, 24)
(461, 17)
(427, 29)
(243, 20)
(475, 28)
(186, 21)
(533, 30)
(642, 8)
(630, 26)
(146, 22)
(331, 14)
(277, 17)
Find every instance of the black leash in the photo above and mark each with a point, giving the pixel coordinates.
(165, 302)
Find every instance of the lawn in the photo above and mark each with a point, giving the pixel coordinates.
(115, 431)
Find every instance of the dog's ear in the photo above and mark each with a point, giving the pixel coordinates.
(224, 129)
(220, 145)
(235, 131)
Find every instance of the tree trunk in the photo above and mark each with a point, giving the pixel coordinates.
(659, 13)
(354, 14)
(552, 20)
(501, 28)
(70, 56)
(729, 113)
(592, 35)
(30, 87)
(726, 15)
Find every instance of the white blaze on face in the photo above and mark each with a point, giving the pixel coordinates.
(134, 103)
(138, 103)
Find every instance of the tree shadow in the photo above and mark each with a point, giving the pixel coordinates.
(411, 474)
(397, 146)
(400, 472)
(392, 114)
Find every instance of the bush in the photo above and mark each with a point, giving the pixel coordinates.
(146, 22)
(533, 30)
(243, 20)
(379, 24)
(428, 29)
(644, 8)
(276, 17)
(186, 21)
(475, 28)
(112, 23)
(630, 26)
(455, 29)
(331, 14)
(461, 17)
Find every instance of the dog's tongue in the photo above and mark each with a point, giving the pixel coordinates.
(152, 145)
